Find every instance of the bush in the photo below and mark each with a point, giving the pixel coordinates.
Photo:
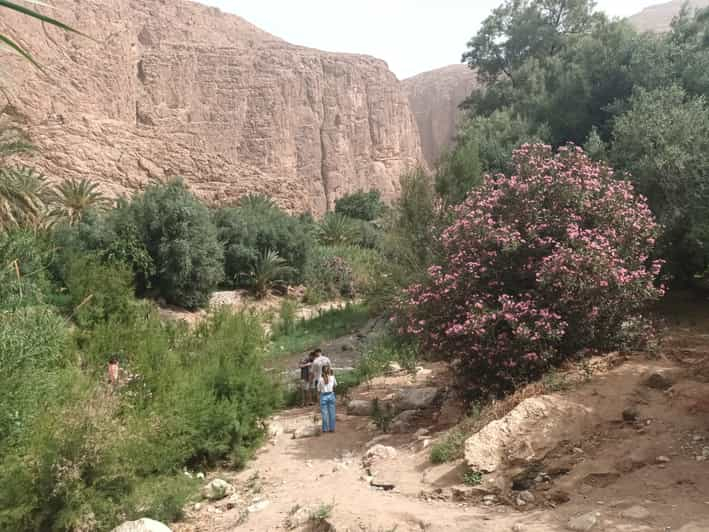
(536, 266)
(25, 259)
(182, 241)
(338, 230)
(361, 205)
(247, 232)
(328, 275)
(98, 291)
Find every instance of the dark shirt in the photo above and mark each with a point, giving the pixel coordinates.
(305, 369)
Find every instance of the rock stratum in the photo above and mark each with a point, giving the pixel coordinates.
(435, 99)
(173, 88)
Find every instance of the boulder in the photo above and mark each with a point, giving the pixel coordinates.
(659, 381)
(142, 525)
(360, 407)
(377, 453)
(583, 523)
(416, 398)
(404, 422)
(526, 434)
(217, 489)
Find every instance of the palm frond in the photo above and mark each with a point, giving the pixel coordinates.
(72, 198)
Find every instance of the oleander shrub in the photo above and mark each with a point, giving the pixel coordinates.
(536, 266)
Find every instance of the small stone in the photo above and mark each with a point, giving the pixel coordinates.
(518, 527)
(258, 506)
(527, 496)
(489, 499)
(662, 459)
(701, 459)
(217, 489)
(308, 431)
(697, 438)
(705, 452)
(630, 415)
(142, 525)
(200, 476)
(585, 489)
(635, 512)
(583, 523)
(520, 502)
(197, 507)
(578, 450)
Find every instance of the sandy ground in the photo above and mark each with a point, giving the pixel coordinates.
(657, 462)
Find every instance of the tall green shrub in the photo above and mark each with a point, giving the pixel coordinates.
(360, 205)
(181, 239)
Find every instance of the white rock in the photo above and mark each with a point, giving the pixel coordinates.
(300, 518)
(142, 525)
(197, 507)
(635, 512)
(258, 506)
(379, 452)
(528, 432)
(200, 476)
(275, 430)
(308, 431)
(662, 459)
(217, 489)
(583, 523)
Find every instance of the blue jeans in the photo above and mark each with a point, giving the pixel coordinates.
(327, 411)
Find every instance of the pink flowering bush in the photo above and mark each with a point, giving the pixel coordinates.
(538, 265)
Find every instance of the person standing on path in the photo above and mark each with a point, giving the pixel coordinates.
(319, 363)
(326, 387)
(305, 381)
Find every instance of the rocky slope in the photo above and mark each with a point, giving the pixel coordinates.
(658, 17)
(177, 88)
(434, 98)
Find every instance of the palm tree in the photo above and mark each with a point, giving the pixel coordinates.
(8, 43)
(336, 229)
(22, 198)
(71, 199)
(256, 202)
(268, 270)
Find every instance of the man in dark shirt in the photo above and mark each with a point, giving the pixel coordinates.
(306, 385)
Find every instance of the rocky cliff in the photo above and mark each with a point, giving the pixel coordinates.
(434, 98)
(170, 87)
(658, 17)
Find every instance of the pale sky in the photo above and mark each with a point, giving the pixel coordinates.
(412, 36)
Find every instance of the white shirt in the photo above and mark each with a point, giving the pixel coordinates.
(329, 387)
(318, 364)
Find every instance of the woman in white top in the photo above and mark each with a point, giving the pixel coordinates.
(326, 387)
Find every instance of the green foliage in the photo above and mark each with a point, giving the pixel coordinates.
(22, 192)
(257, 202)
(472, 478)
(360, 205)
(328, 325)
(337, 230)
(382, 416)
(25, 260)
(98, 291)
(181, 239)
(269, 270)
(328, 274)
(663, 141)
(73, 198)
(459, 171)
(256, 228)
(286, 322)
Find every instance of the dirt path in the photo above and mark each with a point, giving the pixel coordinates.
(651, 475)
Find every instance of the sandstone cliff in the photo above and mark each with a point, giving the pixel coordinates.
(434, 98)
(658, 17)
(171, 87)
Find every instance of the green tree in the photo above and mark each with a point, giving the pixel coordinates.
(361, 205)
(180, 237)
(459, 171)
(663, 141)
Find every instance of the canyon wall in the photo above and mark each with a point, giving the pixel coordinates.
(172, 88)
(435, 98)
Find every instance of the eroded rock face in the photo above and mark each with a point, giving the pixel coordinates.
(435, 98)
(176, 88)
